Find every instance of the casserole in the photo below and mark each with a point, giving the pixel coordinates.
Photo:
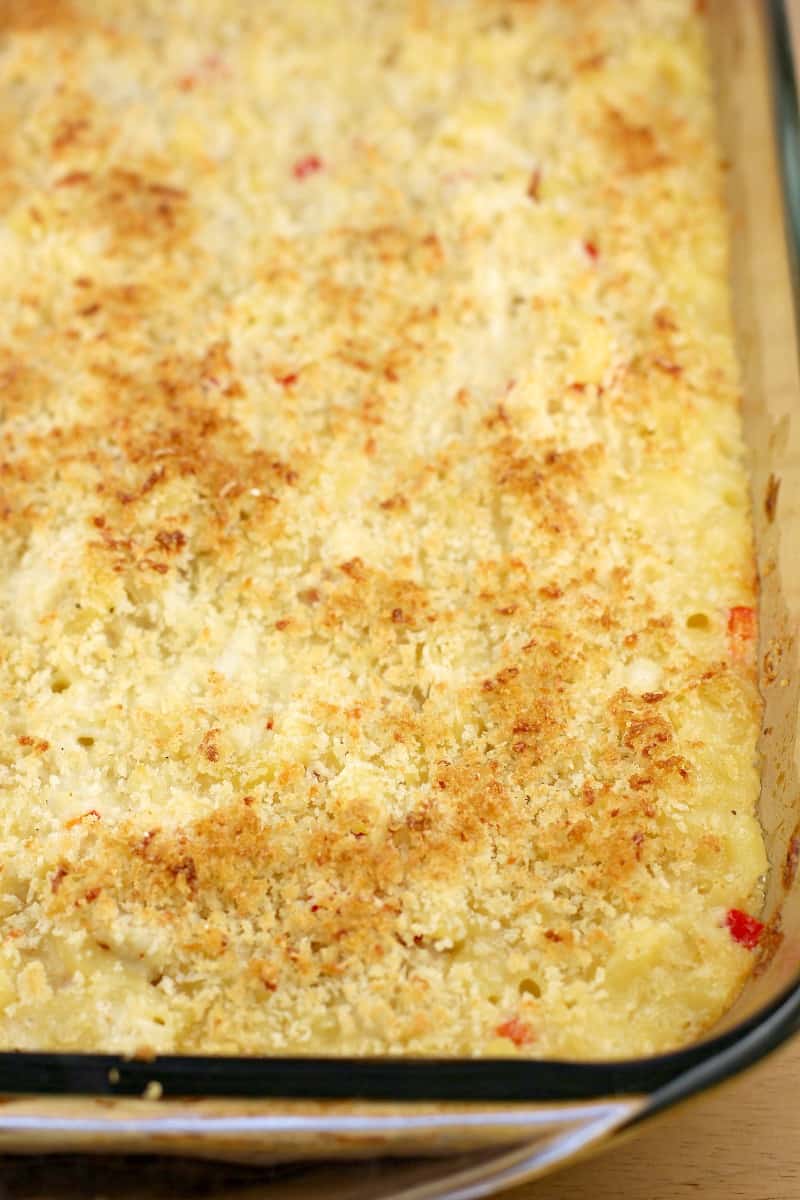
(261, 1112)
(360, 699)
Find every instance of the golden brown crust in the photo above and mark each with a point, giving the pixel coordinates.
(34, 15)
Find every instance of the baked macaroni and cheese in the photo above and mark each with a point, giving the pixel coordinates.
(377, 586)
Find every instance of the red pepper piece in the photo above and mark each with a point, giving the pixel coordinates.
(742, 630)
(215, 63)
(534, 190)
(516, 1031)
(591, 250)
(212, 65)
(744, 929)
(307, 166)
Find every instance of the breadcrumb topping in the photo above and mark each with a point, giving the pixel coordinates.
(377, 628)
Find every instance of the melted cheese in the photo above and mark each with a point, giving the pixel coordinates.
(372, 506)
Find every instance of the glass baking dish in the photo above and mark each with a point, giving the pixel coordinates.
(457, 1128)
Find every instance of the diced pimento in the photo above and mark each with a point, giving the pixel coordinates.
(744, 928)
(516, 1031)
(742, 630)
(591, 249)
(534, 190)
(307, 166)
(212, 65)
